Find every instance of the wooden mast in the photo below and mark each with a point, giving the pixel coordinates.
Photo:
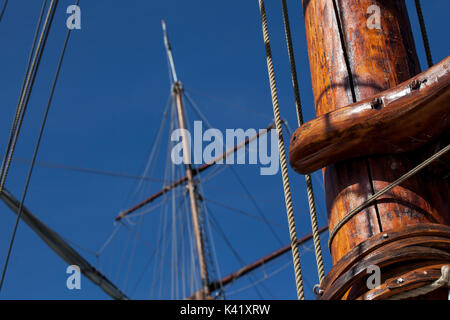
(350, 62)
(177, 91)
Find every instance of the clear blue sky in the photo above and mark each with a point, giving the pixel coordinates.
(107, 108)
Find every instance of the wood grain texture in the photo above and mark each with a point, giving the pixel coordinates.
(397, 120)
(395, 253)
(379, 241)
(379, 59)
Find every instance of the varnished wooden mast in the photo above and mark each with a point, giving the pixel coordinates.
(177, 91)
(350, 62)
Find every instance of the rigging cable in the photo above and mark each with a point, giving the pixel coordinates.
(241, 261)
(261, 213)
(44, 36)
(423, 30)
(31, 68)
(374, 197)
(309, 185)
(2, 13)
(283, 162)
(53, 165)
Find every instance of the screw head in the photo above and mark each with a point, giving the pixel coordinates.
(400, 280)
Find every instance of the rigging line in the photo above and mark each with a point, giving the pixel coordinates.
(53, 165)
(108, 241)
(24, 88)
(374, 197)
(281, 149)
(51, 14)
(2, 13)
(240, 211)
(158, 270)
(54, 241)
(174, 246)
(255, 203)
(155, 143)
(148, 210)
(423, 31)
(162, 229)
(309, 184)
(236, 194)
(197, 109)
(192, 270)
(266, 277)
(133, 251)
(216, 260)
(141, 190)
(151, 154)
(147, 264)
(226, 103)
(215, 172)
(208, 229)
(233, 250)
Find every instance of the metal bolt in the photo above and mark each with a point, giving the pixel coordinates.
(385, 235)
(400, 280)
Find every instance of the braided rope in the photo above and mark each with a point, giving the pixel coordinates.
(309, 185)
(283, 162)
(443, 281)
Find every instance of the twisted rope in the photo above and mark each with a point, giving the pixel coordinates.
(309, 185)
(283, 162)
(24, 99)
(27, 86)
(443, 281)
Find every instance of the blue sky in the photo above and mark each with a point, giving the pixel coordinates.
(106, 111)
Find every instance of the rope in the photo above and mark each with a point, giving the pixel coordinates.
(25, 89)
(45, 31)
(443, 281)
(384, 190)
(423, 30)
(309, 185)
(283, 162)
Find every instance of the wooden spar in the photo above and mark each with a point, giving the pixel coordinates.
(177, 92)
(204, 294)
(62, 248)
(195, 172)
(400, 123)
(350, 62)
(256, 264)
